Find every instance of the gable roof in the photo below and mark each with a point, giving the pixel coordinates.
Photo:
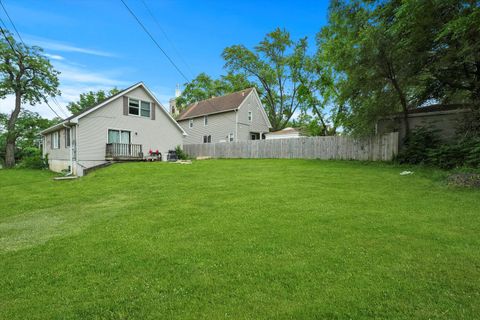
(73, 119)
(225, 103)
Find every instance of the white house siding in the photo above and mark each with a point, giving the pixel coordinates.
(160, 134)
(59, 159)
(258, 123)
(219, 126)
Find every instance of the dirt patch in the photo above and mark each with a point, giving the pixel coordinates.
(471, 180)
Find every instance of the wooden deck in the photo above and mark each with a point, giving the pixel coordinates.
(123, 152)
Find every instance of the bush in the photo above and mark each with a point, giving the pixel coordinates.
(417, 145)
(423, 147)
(33, 159)
(180, 153)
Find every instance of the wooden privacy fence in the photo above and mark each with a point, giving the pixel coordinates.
(375, 148)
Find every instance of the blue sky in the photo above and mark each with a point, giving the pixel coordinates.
(97, 44)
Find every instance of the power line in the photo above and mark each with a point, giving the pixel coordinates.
(168, 38)
(166, 55)
(155, 41)
(13, 48)
(11, 21)
(59, 107)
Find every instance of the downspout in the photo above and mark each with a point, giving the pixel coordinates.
(70, 172)
(236, 125)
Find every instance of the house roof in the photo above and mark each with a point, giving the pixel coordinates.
(288, 130)
(225, 103)
(73, 118)
(439, 108)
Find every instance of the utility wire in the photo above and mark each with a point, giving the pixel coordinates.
(168, 38)
(154, 41)
(13, 47)
(11, 21)
(171, 61)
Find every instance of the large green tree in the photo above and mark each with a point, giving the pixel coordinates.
(89, 99)
(204, 87)
(27, 131)
(277, 65)
(28, 75)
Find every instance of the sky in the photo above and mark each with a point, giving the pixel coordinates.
(98, 44)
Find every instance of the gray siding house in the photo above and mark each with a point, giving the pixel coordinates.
(126, 126)
(237, 116)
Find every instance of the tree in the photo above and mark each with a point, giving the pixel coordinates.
(204, 87)
(27, 131)
(29, 76)
(90, 99)
(277, 65)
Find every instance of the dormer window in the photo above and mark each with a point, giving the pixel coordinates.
(139, 108)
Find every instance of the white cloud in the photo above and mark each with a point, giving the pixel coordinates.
(54, 56)
(64, 47)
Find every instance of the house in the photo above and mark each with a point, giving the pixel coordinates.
(443, 119)
(123, 127)
(237, 116)
(286, 133)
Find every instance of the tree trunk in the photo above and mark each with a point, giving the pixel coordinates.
(11, 134)
(403, 102)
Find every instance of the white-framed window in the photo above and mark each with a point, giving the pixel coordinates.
(56, 140)
(205, 121)
(207, 139)
(139, 108)
(231, 137)
(250, 116)
(145, 109)
(118, 136)
(190, 123)
(67, 137)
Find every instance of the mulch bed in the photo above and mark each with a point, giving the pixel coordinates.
(465, 180)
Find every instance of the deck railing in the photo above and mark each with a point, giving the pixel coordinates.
(123, 151)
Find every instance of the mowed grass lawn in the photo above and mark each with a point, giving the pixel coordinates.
(239, 239)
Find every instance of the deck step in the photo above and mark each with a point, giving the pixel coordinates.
(66, 178)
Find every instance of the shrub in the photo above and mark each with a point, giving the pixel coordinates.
(33, 159)
(417, 145)
(423, 147)
(180, 153)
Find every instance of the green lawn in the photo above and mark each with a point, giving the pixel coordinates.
(239, 239)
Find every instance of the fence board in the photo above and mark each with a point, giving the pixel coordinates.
(375, 148)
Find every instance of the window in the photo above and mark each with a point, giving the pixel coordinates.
(133, 107)
(250, 116)
(56, 140)
(118, 136)
(190, 123)
(145, 109)
(205, 120)
(139, 108)
(67, 137)
(230, 137)
(207, 139)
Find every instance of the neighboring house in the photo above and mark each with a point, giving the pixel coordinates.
(123, 127)
(237, 116)
(443, 119)
(286, 133)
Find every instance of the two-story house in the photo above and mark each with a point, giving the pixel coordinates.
(125, 126)
(237, 116)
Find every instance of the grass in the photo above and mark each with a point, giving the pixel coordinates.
(239, 239)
